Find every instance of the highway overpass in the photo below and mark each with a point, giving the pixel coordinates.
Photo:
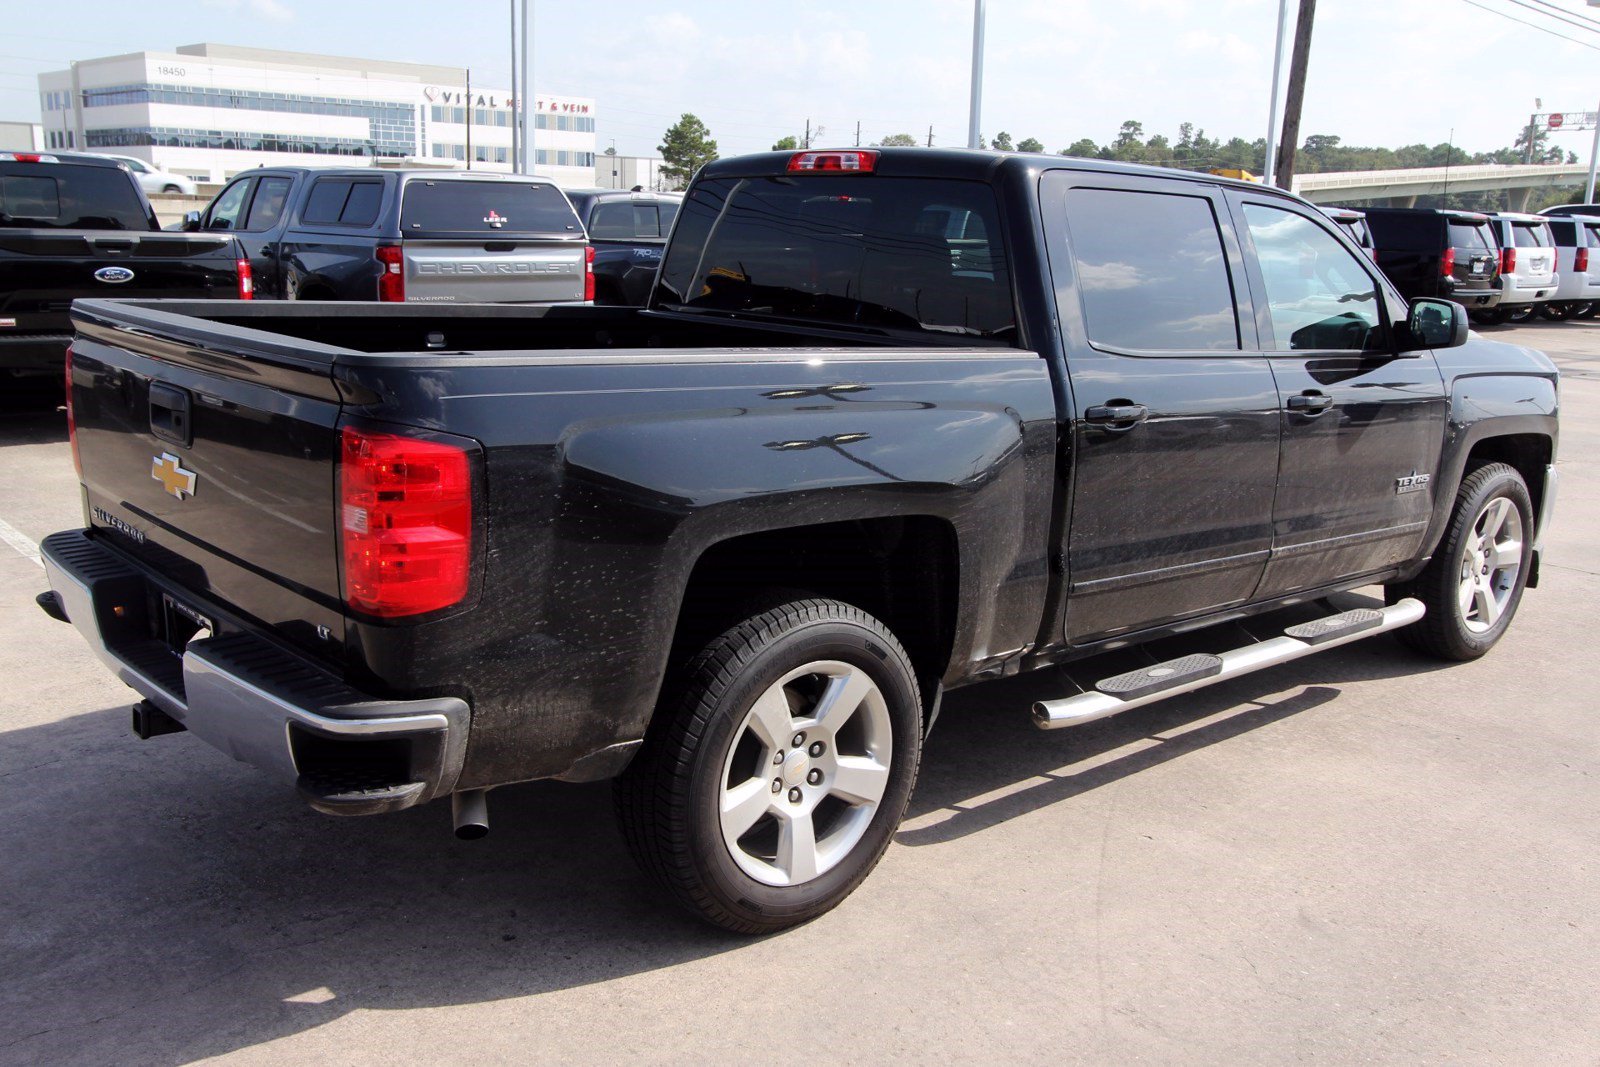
(1400, 188)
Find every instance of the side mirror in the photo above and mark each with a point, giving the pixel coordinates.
(1434, 324)
(191, 221)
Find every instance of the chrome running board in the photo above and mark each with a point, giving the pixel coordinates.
(1150, 684)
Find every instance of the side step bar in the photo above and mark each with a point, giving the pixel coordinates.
(1149, 684)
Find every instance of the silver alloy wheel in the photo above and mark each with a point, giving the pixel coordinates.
(1491, 560)
(805, 772)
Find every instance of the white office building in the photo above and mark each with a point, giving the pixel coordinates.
(210, 111)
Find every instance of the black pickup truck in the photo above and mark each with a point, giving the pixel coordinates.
(73, 226)
(893, 422)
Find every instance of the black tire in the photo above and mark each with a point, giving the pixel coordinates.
(1588, 311)
(1491, 317)
(1520, 312)
(171, 189)
(667, 801)
(1557, 312)
(1445, 631)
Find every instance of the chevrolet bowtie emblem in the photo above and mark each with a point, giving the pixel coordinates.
(173, 478)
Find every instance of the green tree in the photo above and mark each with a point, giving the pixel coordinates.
(685, 148)
(898, 140)
(1083, 148)
(1030, 144)
(1002, 142)
(786, 144)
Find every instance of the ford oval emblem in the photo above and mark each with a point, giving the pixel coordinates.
(114, 275)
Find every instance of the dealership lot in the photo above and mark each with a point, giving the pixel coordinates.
(1363, 855)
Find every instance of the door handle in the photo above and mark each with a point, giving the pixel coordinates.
(1309, 403)
(1117, 417)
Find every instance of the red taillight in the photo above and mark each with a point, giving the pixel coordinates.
(405, 509)
(856, 160)
(588, 272)
(247, 279)
(1508, 261)
(72, 423)
(392, 282)
(1447, 265)
(1580, 262)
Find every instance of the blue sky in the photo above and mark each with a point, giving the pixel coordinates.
(1383, 72)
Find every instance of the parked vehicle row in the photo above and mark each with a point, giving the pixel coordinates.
(1503, 267)
(894, 421)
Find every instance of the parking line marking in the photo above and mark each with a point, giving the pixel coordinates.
(21, 542)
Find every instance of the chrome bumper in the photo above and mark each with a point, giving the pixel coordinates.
(256, 701)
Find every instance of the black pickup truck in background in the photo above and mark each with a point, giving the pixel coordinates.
(79, 225)
(403, 236)
(628, 231)
(892, 422)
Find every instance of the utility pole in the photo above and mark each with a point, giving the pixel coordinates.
(1284, 176)
(1533, 125)
(930, 136)
(975, 109)
(469, 118)
(1594, 154)
(1272, 107)
(858, 133)
(807, 142)
(516, 101)
(530, 106)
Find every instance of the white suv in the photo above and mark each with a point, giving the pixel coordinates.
(1527, 264)
(1578, 263)
(155, 181)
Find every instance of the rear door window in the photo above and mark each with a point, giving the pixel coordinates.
(343, 202)
(64, 196)
(267, 206)
(1151, 272)
(1594, 233)
(852, 250)
(485, 209)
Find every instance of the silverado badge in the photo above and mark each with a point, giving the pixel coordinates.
(173, 478)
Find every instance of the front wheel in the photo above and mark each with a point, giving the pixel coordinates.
(779, 767)
(1474, 582)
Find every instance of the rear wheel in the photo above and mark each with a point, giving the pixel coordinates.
(1520, 312)
(1557, 312)
(773, 778)
(1474, 582)
(1491, 317)
(1587, 311)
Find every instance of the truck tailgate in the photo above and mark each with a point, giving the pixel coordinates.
(515, 270)
(41, 271)
(212, 460)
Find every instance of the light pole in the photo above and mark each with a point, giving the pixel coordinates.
(1272, 105)
(530, 104)
(975, 112)
(1594, 153)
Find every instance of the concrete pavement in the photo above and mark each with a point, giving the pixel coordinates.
(1362, 856)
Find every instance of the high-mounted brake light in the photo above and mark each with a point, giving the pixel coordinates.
(392, 282)
(853, 160)
(72, 423)
(405, 508)
(247, 279)
(588, 272)
(1508, 261)
(27, 157)
(1447, 264)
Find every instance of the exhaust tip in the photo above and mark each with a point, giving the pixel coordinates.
(470, 810)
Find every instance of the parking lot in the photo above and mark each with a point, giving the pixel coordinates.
(1364, 855)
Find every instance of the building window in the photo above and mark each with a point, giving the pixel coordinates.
(306, 144)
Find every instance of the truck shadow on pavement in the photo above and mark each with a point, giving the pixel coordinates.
(165, 904)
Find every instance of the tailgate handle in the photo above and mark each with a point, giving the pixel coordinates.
(170, 414)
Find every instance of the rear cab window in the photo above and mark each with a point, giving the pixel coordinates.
(1467, 234)
(67, 197)
(343, 202)
(485, 209)
(850, 250)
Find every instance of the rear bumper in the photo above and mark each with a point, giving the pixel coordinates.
(1514, 292)
(1472, 299)
(34, 351)
(349, 753)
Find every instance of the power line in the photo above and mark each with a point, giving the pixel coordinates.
(1592, 23)
(1559, 18)
(1534, 25)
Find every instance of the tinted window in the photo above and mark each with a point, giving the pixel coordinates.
(229, 206)
(1594, 233)
(326, 200)
(1318, 294)
(1530, 234)
(668, 210)
(1151, 271)
(267, 207)
(613, 220)
(62, 196)
(644, 221)
(361, 208)
(486, 208)
(345, 201)
(1564, 233)
(851, 249)
(1464, 234)
(1357, 229)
